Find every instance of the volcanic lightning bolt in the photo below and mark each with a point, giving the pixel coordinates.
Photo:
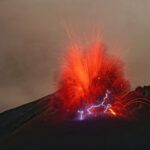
(102, 104)
(88, 111)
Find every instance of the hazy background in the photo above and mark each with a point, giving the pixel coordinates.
(33, 38)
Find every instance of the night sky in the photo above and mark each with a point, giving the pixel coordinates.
(34, 37)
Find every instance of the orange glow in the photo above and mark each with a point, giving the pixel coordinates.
(86, 75)
(112, 112)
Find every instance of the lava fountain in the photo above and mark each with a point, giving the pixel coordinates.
(92, 82)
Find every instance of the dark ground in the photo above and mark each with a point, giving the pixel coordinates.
(30, 127)
(99, 134)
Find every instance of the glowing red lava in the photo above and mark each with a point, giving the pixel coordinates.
(87, 75)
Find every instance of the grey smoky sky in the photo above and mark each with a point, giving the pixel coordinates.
(33, 38)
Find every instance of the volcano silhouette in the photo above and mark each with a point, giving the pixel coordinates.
(40, 125)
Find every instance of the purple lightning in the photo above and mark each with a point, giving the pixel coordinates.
(89, 109)
(81, 114)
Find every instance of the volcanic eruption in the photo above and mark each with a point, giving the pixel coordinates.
(91, 78)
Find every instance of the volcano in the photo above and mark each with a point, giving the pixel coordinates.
(93, 108)
(41, 125)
